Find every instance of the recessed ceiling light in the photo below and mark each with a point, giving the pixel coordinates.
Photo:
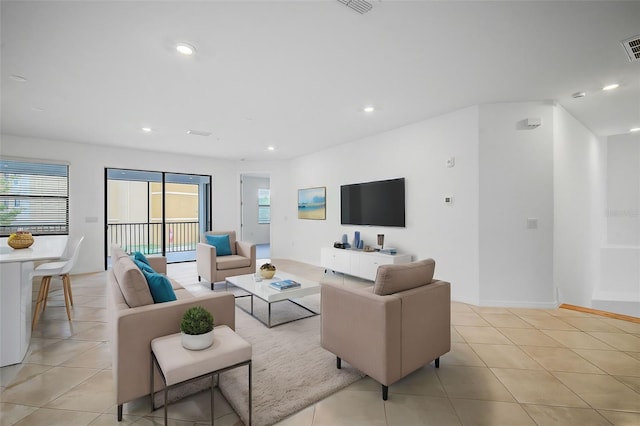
(611, 86)
(271, 148)
(18, 78)
(579, 95)
(198, 132)
(146, 129)
(635, 129)
(185, 49)
(369, 108)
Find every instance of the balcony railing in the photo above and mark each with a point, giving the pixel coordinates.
(147, 237)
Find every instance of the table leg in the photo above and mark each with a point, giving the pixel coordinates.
(269, 320)
(252, 304)
(249, 393)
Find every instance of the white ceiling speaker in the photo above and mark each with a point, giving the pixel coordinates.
(533, 123)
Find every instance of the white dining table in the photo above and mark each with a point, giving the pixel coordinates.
(16, 267)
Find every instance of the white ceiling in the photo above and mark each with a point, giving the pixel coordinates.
(295, 74)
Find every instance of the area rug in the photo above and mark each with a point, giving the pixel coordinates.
(290, 369)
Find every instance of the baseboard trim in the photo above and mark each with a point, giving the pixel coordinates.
(514, 304)
(601, 313)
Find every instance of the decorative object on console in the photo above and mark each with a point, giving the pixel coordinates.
(197, 328)
(345, 239)
(268, 270)
(356, 239)
(381, 240)
(20, 240)
(312, 203)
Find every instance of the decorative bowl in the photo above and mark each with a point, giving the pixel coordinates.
(267, 274)
(20, 240)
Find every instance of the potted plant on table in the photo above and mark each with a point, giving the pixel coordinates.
(197, 328)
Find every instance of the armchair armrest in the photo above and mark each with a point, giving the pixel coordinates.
(247, 249)
(158, 263)
(356, 320)
(206, 261)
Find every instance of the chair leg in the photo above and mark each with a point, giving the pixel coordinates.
(438, 362)
(46, 293)
(66, 286)
(385, 392)
(338, 363)
(199, 278)
(39, 301)
(69, 289)
(119, 412)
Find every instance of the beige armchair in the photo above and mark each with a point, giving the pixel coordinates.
(215, 268)
(391, 329)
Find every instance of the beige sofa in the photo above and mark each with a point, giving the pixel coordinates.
(134, 320)
(391, 329)
(214, 268)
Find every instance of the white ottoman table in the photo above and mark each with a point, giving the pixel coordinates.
(178, 365)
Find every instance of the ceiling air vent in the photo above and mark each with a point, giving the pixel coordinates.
(632, 46)
(360, 6)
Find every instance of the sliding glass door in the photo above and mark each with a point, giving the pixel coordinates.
(156, 212)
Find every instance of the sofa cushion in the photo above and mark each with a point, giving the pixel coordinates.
(221, 243)
(132, 283)
(160, 287)
(144, 267)
(117, 252)
(140, 257)
(394, 278)
(232, 262)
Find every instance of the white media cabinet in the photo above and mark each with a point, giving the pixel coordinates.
(358, 263)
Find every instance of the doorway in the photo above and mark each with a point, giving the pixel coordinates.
(156, 212)
(256, 212)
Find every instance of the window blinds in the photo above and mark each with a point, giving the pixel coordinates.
(34, 197)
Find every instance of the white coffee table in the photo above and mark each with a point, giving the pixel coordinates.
(263, 291)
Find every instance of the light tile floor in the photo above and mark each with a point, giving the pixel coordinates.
(506, 367)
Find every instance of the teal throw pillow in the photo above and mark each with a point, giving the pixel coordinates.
(141, 257)
(221, 243)
(160, 287)
(143, 266)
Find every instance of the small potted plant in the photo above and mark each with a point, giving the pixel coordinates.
(197, 328)
(268, 270)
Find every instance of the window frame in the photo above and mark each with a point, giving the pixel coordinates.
(42, 195)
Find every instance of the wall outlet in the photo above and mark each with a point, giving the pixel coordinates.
(532, 223)
(448, 200)
(451, 161)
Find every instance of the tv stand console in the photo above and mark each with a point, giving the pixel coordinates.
(358, 263)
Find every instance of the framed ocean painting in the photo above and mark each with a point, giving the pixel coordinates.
(312, 203)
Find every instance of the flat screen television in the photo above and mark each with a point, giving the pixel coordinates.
(379, 203)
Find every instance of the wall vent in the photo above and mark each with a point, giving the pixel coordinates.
(360, 6)
(632, 46)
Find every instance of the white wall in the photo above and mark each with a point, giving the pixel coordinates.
(253, 231)
(516, 184)
(619, 288)
(623, 190)
(418, 152)
(86, 184)
(579, 167)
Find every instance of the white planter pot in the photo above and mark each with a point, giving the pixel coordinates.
(197, 342)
